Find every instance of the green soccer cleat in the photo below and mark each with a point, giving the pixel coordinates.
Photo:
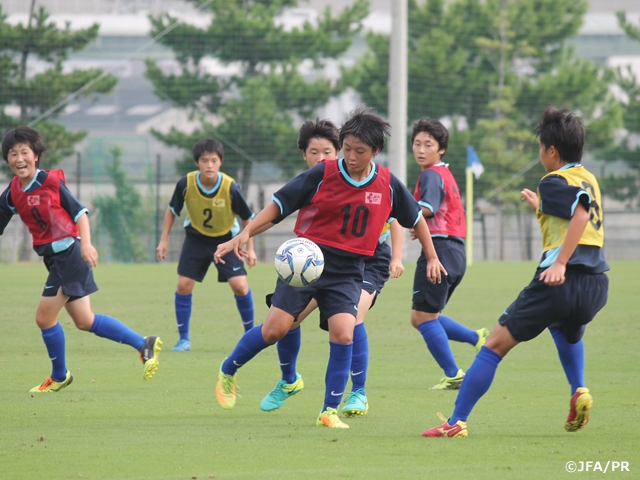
(356, 404)
(276, 397)
(450, 383)
(50, 385)
(579, 408)
(483, 334)
(149, 356)
(182, 346)
(226, 390)
(329, 418)
(457, 430)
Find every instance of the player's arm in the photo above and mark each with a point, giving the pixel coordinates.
(554, 275)
(88, 252)
(251, 258)
(7, 210)
(266, 216)
(434, 267)
(530, 197)
(163, 246)
(397, 242)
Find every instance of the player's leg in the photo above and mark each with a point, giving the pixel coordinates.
(428, 301)
(54, 340)
(104, 326)
(288, 348)
(356, 402)
(233, 272)
(193, 265)
(183, 303)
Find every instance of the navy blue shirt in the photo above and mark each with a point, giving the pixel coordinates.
(238, 205)
(560, 199)
(300, 191)
(431, 190)
(68, 202)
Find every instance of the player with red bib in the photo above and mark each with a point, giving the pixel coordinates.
(59, 225)
(439, 197)
(343, 205)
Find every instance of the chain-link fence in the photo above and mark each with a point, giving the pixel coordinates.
(123, 92)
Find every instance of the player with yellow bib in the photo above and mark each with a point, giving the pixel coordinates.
(213, 201)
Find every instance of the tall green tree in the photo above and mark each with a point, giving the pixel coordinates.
(626, 187)
(34, 94)
(253, 110)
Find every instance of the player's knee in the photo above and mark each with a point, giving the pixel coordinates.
(240, 289)
(185, 286)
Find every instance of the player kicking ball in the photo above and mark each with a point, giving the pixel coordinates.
(59, 225)
(569, 287)
(343, 207)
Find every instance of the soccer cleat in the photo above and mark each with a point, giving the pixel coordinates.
(329, 418)
(356, 404)
(450, 383)
(149, 356)
(581, 403)
(226, 390)
(458, 430)
(182, 346)
(483, 334)
(276, 397)
(50, 385)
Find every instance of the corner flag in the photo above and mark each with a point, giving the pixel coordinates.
(473, 162)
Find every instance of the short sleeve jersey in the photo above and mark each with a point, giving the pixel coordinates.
(238, 203)
(437, 190)
(558, 196)
(67, 212)
(300, 191)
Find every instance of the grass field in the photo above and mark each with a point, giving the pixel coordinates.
(110, 424)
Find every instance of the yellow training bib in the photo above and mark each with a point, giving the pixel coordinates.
(212, 217)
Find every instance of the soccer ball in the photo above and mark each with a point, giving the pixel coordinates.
(299, 262)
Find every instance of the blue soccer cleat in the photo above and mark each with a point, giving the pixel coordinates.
(182, 346)
(356, 404)
(276, 397)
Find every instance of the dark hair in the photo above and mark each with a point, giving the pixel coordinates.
(207, 145)
(318, 129)
(367, 127)
(564, 130)
(434, 128)
(26, 135)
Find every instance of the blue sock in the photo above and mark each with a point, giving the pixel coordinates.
(288, 349)
(337, 373)
(572, 359)
(457, 332)
(248, 347)
(475, 384)
(359, 358)
(438, 344)
(54, 341)
(183, 314)
(108, 327)
(245, 307)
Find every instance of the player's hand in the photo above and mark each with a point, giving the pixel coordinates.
(412, 233)
(435, 270)
(554, 275)
(396, 268)
(89, 254)
(252, 258)
(530, 197)
(162, 250)
(223, 249)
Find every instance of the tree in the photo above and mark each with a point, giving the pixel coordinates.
(491, 67)
(626, 187)
(253, 111)
(39, 93)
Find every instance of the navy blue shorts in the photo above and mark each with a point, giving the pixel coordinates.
(376, 269)
(569, 306)
(67, 269)
(197, 255)
(336, 291)
(432, 297)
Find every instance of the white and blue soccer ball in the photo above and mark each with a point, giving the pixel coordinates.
(299, 262)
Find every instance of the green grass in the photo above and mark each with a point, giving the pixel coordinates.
(111, 424)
